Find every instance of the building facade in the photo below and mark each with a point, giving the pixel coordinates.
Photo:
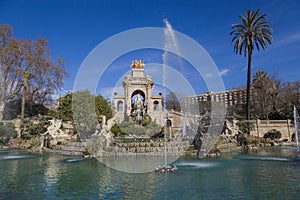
(138, 101)
(228, 97)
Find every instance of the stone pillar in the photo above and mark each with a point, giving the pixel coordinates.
(235, 128)
(18, 127)
(288, 127)
(257, 129)
(42, 139)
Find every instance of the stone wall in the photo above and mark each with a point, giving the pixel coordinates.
(286, 127)
(263, 126)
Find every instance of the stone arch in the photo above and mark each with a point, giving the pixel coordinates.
(135, 93)
(120, 106)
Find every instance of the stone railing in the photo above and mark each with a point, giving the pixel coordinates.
(276, 122)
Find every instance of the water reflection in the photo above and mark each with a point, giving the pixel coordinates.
(251, 176)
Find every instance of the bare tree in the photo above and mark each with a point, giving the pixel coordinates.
(262, 84)
(289, 95)
(172, 101)
(24, 56)
(265, 97)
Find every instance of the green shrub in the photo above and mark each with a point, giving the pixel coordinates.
(153, 128)
(134, 130)
(146, 121)
(273, 134)
(63, 128)
(74, 101)
(36, 129)
(117, 131)
(35, 141)
(130, 127)
(7, 131)
(241, 139)
(245, 126)
(252, 141)
(46, 118)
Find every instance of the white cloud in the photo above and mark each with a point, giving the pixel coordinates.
(109, 91)
(60, 93)
(288, 39)
(223, 72)
(292, 38)
(209, 75)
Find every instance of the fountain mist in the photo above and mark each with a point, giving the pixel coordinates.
(170, 43)
(296, 122)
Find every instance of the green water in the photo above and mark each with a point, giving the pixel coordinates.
(272, 173)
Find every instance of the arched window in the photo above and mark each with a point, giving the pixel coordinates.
(120, 106)
(169, 123)
(155, 105)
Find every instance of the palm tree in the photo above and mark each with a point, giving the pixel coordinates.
(253, 32)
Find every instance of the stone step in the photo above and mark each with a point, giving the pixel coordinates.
(73, 148)
(64, 152)
(70, 148)
(74, 144)
(153, 144)
(227, 145)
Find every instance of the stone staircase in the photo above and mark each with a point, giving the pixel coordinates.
(153, 148)
(70, 148)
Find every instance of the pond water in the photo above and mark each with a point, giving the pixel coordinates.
(272, 173)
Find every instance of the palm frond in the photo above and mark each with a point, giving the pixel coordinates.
(253, 32)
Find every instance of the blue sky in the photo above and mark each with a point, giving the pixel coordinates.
(74, 28)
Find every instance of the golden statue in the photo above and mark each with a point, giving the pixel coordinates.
(137, 64)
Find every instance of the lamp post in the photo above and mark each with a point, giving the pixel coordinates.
(26, 78)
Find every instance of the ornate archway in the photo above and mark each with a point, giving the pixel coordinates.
(138, 99)
(137, 94)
